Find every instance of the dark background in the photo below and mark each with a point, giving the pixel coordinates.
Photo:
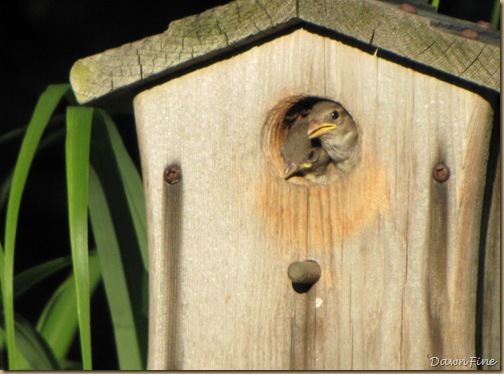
(41, 39)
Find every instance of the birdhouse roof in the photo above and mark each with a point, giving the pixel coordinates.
(453, 47)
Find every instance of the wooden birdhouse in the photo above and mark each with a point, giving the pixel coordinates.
(393, 263)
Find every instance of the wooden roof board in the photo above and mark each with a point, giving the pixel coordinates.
(128, 69)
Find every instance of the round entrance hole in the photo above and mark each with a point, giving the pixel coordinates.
(311, 140)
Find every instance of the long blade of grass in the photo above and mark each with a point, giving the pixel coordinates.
(133, 186)
(36, 274)
(12, 134)
(495, 17)
(2, 262)
(58, 321)
(79, 121)
(43, 111)
(34, 353)
(106, 166)
(44, 144)
(114, 278)
(18, 132)
(4, 190)
(33, 347)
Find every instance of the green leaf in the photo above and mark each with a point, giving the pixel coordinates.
(36, 274)
(495, 17)
(116, 288)
(58, 321)
(44, 144)
(4, 189)
(13, 134)
(106, 166)
(133, 186)
(41, 116)
(33, 351)
(79, 120)
(33, 347)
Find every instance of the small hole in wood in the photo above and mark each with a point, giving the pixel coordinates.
(301, 288)
(311, 140)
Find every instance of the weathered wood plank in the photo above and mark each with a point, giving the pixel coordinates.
(407, 35)
(191, 40)
(185, 42)
(492, 280)
(398, 250)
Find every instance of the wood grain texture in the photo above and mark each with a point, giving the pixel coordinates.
(398, 250)
(491, 344)
(428, 40)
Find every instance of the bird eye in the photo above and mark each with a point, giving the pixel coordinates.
(312, 156)
(335, 114)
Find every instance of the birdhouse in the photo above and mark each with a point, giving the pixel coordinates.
(382, 253)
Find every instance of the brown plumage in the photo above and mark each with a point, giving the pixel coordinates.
(300, 155)
(337, 131)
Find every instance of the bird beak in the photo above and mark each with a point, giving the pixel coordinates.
(316, 129)
(291, 169)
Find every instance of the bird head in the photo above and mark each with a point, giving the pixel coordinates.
(300, 155)
(336, 129)
(328, 118)
(314, 162)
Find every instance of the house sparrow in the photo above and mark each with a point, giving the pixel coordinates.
(337, 131)
(300, 155)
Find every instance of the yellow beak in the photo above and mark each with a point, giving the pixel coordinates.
(291, 169)
(317, 129)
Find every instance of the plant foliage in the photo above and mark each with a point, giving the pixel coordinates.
(101, 179)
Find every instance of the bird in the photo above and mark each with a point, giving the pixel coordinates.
(338, 133)
(301, 156)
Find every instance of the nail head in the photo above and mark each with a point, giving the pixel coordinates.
(409, 8)
(469, 34)
(484, 24)
(441, 172)
(172, 174)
